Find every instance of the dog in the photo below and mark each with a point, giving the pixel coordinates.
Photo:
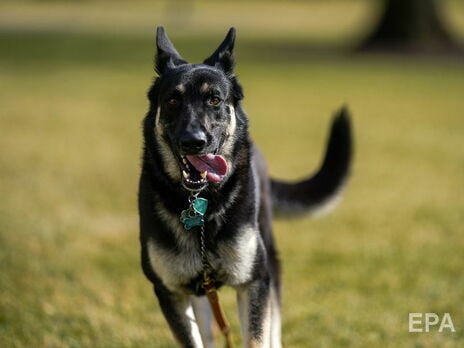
(196, 141)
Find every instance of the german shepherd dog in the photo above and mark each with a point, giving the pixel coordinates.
(196, 138)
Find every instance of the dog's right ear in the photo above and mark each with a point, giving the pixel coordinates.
(167, 56)
(223, 57)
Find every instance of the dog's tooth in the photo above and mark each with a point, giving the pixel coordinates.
(185, 174)
(203, 174)
(184, 160)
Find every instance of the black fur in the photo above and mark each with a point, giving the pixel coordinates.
(200, 103)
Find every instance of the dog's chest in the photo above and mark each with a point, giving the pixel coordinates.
(232, 261)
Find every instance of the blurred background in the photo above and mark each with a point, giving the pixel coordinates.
(73, 80)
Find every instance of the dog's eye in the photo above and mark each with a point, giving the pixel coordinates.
(214, 101)
(173, 101)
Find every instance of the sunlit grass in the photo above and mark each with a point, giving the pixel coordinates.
(70, 111)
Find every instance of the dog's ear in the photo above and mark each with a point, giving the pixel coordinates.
(223, 57)
(167, 56)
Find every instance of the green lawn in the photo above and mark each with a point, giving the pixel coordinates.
(72, 97)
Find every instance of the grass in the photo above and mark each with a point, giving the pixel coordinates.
(71, 101)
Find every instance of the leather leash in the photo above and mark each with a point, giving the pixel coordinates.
(218, 312)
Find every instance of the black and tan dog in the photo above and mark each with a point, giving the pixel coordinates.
(196, 136)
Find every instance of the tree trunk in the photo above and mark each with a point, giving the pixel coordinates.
(410, 26)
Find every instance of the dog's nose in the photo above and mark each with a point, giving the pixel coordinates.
(192, 142)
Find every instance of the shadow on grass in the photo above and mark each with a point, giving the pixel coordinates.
(61, 50)
(52, 48)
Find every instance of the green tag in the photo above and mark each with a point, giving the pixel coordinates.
(200, 205)
(193, 216)
(184, 215)
(195, 221)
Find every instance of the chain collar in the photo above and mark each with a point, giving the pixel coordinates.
(193, 217)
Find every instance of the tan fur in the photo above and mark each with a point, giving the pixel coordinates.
(204, 87)
(181, 88)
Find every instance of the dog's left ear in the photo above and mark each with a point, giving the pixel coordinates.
(223, 57)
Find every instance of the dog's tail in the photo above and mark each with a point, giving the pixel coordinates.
(321, 190)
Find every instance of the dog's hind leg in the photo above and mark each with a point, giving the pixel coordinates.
(178, 311)
(204, 318)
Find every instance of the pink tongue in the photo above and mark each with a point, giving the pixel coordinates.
(216, 166)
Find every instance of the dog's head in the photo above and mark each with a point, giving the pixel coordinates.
(193, 107)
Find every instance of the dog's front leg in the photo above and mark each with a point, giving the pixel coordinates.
(204, 319)
(254, 304)
(178, 312)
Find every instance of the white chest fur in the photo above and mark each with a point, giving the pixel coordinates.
(232, 260)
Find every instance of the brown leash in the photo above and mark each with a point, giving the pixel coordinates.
(218, 312)
(193, 217)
